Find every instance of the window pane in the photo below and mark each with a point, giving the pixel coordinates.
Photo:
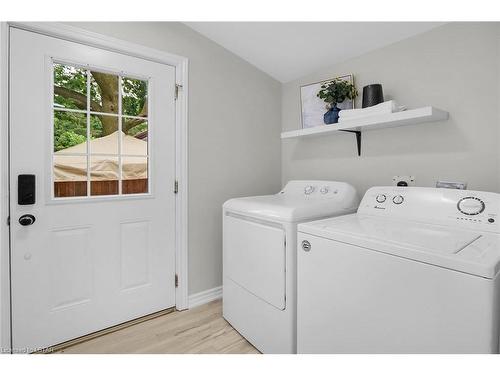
(103, 92)
(88, 145)
(104, 134)
(70, 176)
(104, 175)
(134, 175)
(70, 87)
(70, 132)
(134, 97)
(135, 141)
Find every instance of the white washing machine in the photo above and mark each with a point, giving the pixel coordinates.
(259, 282)
(415, 270)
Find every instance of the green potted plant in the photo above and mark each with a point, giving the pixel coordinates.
(334, 92)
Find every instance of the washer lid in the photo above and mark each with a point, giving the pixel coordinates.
(476, 253)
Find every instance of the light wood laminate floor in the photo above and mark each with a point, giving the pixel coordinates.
(198, 330)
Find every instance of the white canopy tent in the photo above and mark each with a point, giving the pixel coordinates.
(69, 166)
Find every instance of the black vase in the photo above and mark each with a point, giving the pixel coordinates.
(372, 95)
(332, 115)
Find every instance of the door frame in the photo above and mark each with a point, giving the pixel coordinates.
(75, 34)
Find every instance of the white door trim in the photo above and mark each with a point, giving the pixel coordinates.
(78, 35)
(5, 341)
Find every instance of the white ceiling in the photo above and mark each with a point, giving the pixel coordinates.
(290, 50)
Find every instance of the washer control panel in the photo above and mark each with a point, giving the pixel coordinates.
(388, 198)
(468, 208)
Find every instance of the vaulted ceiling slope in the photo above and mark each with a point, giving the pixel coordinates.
(290, 50)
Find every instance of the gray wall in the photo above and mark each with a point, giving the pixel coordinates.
(454, 67)
(234, 127)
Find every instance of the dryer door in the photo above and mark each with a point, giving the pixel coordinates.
(254, 258)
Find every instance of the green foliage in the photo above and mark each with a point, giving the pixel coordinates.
(138, 129)
(134, 96)
(71, 78)
(68, 139)
(70, 128)
(95, 127)
(134, 90)
(336, 91)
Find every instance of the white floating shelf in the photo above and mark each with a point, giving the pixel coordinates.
(390, 120)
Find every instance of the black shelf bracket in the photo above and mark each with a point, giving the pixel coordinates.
(358, 138)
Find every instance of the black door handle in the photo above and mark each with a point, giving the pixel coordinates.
(26, 220)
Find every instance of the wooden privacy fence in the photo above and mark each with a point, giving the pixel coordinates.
(104, 187)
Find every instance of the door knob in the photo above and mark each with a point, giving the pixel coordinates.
(26, 220)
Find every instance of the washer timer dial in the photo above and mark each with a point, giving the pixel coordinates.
(471, 206)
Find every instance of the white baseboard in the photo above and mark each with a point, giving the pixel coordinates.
(206, 296)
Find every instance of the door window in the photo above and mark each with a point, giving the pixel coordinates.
(100, 133)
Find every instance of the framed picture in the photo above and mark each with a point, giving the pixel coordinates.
(313, 108)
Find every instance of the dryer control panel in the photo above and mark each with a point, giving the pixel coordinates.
(465, 208)
(316, 189)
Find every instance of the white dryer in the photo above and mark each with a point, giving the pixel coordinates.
(259, 282)
(415, 270)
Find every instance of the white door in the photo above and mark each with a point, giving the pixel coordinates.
(101, 249)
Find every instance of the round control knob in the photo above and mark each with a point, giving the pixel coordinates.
(470, 206)
(398, 199)
(381, 198)
(324, 190)
(308, 189)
